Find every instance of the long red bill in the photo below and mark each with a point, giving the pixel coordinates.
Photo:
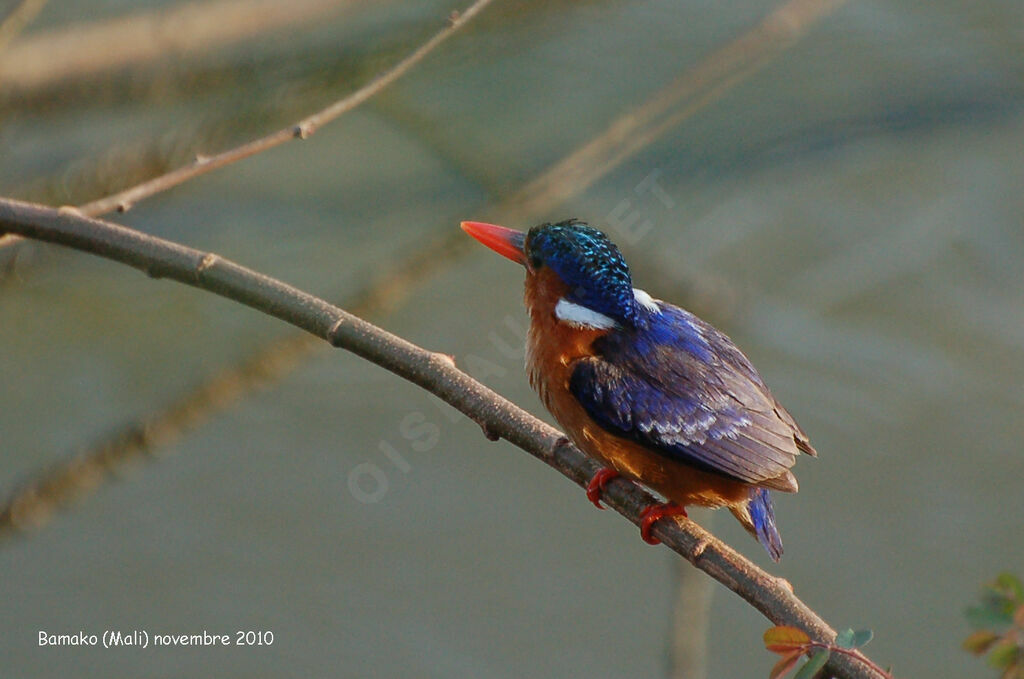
(506, 242)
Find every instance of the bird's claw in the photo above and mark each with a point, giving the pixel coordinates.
(653, 514)
(597, 484)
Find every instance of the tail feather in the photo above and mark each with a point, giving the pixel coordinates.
(758, 517)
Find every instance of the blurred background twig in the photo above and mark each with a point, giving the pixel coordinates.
(58, 57)
(13, 20)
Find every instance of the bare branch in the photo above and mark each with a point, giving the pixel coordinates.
(301, 130)
(430, 370)
(124, 200)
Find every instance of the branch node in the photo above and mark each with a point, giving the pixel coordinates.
(562, 442)
(303, 130)
(69, 211)
(332, 334)
(560, 446)
(698, 549)
(208, 260)
(201, 159)
(445, 359)
(124, 206)
(453, 18)
(489, 433)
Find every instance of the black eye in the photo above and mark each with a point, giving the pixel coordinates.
(535, 261)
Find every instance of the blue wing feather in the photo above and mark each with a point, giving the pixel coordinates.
(682, 388)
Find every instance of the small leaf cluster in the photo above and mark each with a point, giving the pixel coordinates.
(792, 643)
(999, 626)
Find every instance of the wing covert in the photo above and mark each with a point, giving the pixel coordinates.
(683, 389)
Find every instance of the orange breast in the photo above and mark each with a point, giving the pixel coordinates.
(552, 351)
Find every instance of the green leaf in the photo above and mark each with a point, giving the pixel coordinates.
(845, 638)
(1004, 654)
(1011, 585)
(784, 665)
(990, 614)
(783, 639)
(980, 641)
(851, 638)
(862, 637)
(814, 665)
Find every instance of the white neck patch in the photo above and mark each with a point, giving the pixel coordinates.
(580, 316)
(646, 301)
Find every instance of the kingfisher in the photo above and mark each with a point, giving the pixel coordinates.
(652, 392)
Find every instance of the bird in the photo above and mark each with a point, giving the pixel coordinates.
(648, 389)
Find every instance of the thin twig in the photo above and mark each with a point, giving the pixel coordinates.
(124, 200)
(261, 105)
(301, 130)
(436, 373)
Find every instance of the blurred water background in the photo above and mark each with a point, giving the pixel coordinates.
(850, 212)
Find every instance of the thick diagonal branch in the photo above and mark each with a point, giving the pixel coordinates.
(432, 371)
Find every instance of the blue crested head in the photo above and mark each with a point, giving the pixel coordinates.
(588, 263)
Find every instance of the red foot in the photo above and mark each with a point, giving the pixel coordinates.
(653, 514)
(597, 484)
